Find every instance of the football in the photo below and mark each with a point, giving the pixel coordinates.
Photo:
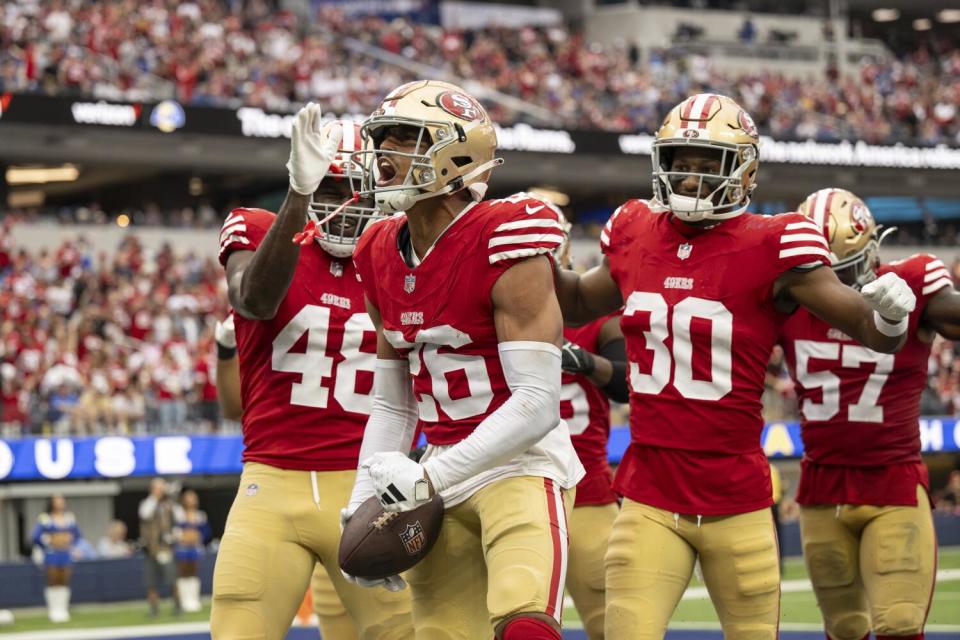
(377, 543)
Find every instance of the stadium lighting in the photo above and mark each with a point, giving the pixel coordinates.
(922, 24)
(885, 15)
(42, 175)
(947, 16)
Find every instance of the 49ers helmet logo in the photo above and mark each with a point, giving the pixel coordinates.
(460, 105)
(746, 123)
(861, 217)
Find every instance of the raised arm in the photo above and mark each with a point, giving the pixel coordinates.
(877, 318)
(258, 280)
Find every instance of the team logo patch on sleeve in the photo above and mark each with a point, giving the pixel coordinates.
(413, 538)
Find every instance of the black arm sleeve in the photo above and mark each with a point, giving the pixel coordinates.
(616, 352)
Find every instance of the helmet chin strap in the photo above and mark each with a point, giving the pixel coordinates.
(402, 199)
(690, 209)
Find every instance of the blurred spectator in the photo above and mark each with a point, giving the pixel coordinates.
(949, 499)
(156, 532)
(119, 344)
(114, 544)
(747, 32)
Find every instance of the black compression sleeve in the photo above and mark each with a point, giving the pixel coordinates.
(616, 352)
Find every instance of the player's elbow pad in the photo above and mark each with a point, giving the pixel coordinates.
(532, 371)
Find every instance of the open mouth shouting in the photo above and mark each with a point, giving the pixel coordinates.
(387, 172)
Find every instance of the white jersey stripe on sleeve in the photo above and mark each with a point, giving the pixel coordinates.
(604, 238)
(229, 229)
(518, 253)
(804, 251)
(499, 241)
(805, 226)
(230, 239)
(936, 286)
(933, 275)
(535, 223)
(935, 264)
(803, 237)
(233, 217)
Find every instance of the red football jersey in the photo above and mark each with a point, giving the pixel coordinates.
(859, 408)
(586, 409)
(700, 323)
(305, 375)
(439, 314)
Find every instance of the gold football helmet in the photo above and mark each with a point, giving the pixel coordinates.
(852, 233)
(339, 225)
(715, 122)
(460, 140)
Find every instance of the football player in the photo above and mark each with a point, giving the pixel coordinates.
(305, 350)
(705, 288)
(594, 363)
(865, 519)
(334, 622)
(461, 291)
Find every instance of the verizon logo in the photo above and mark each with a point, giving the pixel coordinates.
(104, 113)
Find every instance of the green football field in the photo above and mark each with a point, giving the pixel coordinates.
(799, 609)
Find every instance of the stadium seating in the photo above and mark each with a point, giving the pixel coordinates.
(206, 53)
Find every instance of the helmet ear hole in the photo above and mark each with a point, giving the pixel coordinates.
(462, 161)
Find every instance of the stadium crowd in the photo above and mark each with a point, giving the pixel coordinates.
(121, 343)
(118, 343)
(212, 52)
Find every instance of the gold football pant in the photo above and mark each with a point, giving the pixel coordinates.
(501, 552)
(871, 566)
(334, 622)
(281, 523)
(589, 532)
(650, 561)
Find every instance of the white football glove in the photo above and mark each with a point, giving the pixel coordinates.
(311, 152)
(390, 583)
(224, 333)
(399, 482)
(890, 296)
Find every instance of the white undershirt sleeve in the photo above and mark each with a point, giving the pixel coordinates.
(392, 421)
(532, 371)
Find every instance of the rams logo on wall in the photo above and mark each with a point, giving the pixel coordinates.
(168, 116)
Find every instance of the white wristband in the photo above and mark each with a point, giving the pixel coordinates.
(890, 329)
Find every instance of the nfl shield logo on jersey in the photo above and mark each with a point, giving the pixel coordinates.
(409, 283)
(412, 538)
(683, 251)
(336, 269)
